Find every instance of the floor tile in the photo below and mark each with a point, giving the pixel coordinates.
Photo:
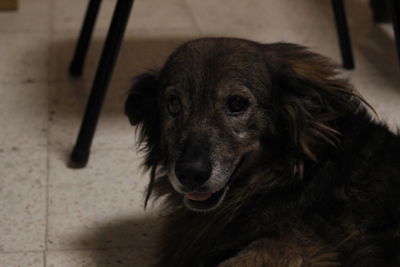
(23, 115)
(137, 257)
(22, 259)
(100, 206)
(27, 57)
(270, 21)
(23, 177)
(31, 16)
(150, 14)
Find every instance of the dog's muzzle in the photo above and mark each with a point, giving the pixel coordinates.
(193, 172)
(193, 177)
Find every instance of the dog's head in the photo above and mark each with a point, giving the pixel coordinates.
(222, 107)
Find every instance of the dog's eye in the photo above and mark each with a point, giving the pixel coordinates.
(174, 105)
(237, 105)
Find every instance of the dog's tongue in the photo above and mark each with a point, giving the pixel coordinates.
(198, 197)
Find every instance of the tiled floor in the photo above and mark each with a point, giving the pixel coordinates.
(51, 215)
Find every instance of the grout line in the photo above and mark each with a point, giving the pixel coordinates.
(44, 258)
(49, 106)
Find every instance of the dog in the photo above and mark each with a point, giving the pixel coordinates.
(264, 156)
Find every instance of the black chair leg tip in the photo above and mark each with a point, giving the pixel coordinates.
(74, 70)
(78, 158)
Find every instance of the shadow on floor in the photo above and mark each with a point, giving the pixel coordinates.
(123, 243)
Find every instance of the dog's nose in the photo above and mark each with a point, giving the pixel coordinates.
(193, 174)
(193, 165)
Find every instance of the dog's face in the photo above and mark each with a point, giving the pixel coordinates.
(209, 110)
(208, 132)
(210, 121)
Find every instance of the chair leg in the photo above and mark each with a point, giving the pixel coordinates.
(80, 154)
(343, 34)
(395, 6)
(380, 10)
(75, 68)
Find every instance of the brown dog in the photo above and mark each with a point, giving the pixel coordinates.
(266, 158)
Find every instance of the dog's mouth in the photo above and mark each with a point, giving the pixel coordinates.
(205, 201)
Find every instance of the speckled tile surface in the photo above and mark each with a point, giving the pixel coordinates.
(26, 54)
(23, 115)
(23, 176)
(51, 215)
(22, 259)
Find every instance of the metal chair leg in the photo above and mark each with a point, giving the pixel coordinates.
(80, 154)
(380, 10)
(395, 7)
(75, 68)
(343, 34)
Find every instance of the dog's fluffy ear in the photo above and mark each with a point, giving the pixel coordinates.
(311, 97)
(142, 109)
(141, 102)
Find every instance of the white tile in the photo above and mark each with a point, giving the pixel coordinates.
(24, 57)
(23, 115)
(22, 259)
(136, 257)
(100, 206)
(31, 16)
(23, 177)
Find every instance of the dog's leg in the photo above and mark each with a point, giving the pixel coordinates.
(267, 253)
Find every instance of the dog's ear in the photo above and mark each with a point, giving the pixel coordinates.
(141, 107)
(311, 97)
